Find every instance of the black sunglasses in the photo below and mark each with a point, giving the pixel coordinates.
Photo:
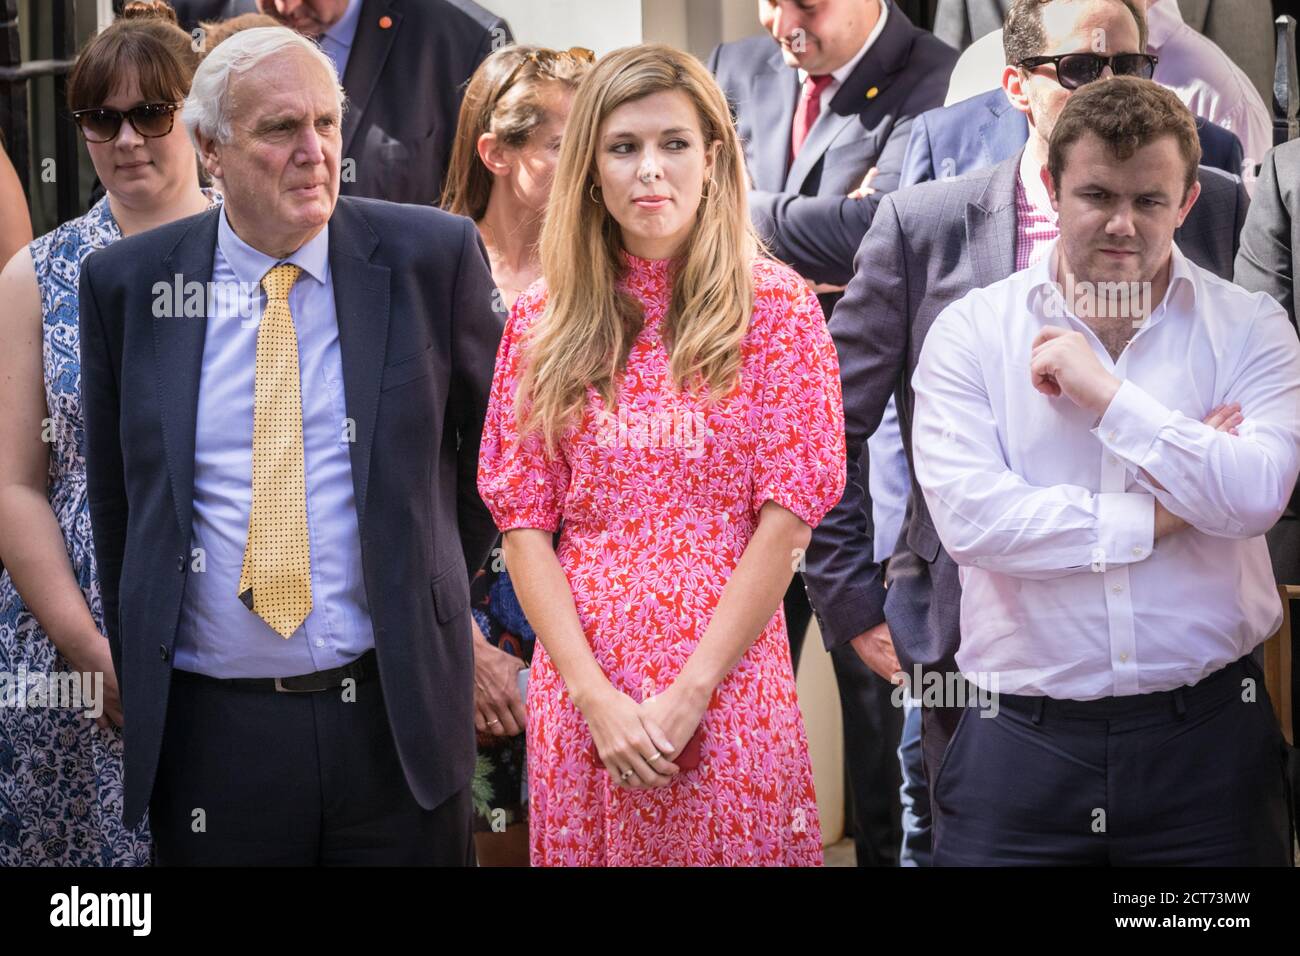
(1074, 70)
(151, 120)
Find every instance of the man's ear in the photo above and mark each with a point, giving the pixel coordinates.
(492, 153)
(209, 154)
(1046, 175)
(1188, 202)
(1013, 86)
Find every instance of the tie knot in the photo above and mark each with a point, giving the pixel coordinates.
(813, 85)
(279, 280)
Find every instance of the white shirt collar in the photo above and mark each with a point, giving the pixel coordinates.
(843, 72)
(1041, 284)
(1164, 19)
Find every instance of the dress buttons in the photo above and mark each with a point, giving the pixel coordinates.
(163, 652)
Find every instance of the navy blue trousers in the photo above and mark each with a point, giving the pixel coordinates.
(1194, 776)
(250, 777)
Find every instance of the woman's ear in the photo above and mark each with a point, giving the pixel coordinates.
(495, 155)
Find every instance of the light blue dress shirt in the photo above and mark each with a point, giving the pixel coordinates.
(218, 635)
(336, 42)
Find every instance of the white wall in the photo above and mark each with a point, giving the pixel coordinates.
(604, 25)
(600, 25)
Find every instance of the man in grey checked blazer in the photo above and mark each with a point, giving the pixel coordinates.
(928, 246)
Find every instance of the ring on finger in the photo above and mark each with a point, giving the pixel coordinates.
(494, 720)
(626, 774)
(653, 757)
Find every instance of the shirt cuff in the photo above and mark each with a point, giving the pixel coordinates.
(1132, 423)
(1127, 529)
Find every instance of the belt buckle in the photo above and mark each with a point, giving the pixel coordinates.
(281, 689)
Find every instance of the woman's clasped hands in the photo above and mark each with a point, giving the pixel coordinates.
(636, 742)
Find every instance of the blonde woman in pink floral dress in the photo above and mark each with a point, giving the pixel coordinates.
(668, 400)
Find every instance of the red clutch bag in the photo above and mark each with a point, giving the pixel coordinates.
(688, 759)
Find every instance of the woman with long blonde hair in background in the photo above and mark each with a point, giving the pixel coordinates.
(668, 399)
(503, 161)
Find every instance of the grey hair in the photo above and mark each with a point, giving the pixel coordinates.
(207, 108)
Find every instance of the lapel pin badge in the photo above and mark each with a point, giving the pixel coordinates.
(873, 92)
(385, 22)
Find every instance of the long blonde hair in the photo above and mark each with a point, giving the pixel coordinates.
(584, 335)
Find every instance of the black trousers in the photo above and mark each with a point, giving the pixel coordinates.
(873, 727)
(1194, 776)
(250, 777)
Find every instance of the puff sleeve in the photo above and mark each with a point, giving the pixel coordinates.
(799, 448)
(522, 486)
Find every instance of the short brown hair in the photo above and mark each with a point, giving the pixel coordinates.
(146, 43)
(504, 96)
(1126, 113)
(1023, 35)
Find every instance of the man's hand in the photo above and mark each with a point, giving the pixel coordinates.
(864, 189)
(498, 708)
(1062, 363)
(876, 648)
(1167, 522)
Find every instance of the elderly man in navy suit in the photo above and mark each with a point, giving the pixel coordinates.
(830, 100)
(282, 490)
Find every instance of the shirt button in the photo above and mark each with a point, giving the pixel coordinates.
(1111, 435)
(1123, 657)
(1117, 588)
(1112, 459)
(320, 642)
(1137, 552)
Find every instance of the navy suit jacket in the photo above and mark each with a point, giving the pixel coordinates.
(418, 336)
(801, 209)
(404, 85)
(986, 129)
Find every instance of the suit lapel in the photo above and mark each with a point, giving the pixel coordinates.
(878, 68)
(370, 49)
(178, 354)
(1006, 130)
(991, 226)
(775, 93)
(361, 302)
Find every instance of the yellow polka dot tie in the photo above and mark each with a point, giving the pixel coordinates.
(275, 582)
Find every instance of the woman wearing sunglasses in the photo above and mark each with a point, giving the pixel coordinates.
(502, 162)
(61, 785)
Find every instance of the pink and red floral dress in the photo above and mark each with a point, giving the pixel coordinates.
(656, 502)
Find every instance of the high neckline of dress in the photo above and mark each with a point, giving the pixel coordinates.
(648, 268)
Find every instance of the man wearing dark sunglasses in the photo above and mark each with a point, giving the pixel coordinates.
(1195, 67)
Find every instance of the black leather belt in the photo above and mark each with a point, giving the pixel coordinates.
(362, 669)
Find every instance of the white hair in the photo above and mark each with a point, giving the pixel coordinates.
(207, 108)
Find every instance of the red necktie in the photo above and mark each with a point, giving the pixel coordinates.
(809, 108)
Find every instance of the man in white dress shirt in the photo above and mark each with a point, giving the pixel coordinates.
(1102, 440)
(1191, 64)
